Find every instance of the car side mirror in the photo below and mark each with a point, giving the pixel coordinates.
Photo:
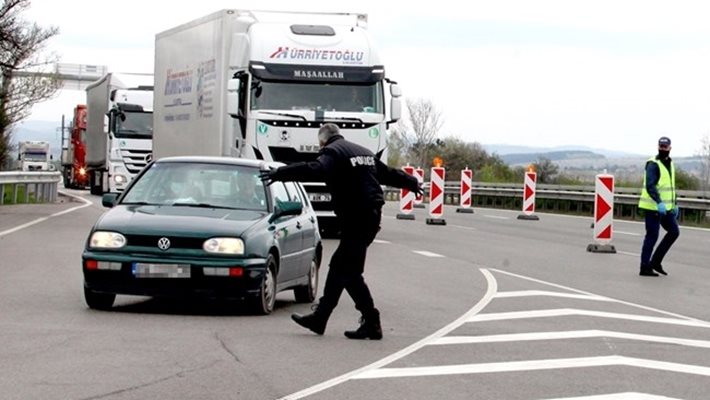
(283, 208)
(109, 200)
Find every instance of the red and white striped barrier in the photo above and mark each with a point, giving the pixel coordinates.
(419, 198)
(406, 199)
(436, 196)
(603, 214)
(529, 197)
(465, 192)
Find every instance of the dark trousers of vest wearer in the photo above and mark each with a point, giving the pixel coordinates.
(348, 264)
(653, 223)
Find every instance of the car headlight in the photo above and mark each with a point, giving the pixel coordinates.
(224, 246)
(107, 240)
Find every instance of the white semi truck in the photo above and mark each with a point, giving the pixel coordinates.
(259, 84)
(119, 130)
(34, 156)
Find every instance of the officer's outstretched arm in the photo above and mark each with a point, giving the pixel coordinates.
(311, 171)
(395, 177)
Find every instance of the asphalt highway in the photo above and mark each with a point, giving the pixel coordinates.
(485, 307)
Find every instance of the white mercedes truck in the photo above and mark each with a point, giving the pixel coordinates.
(119, 130)
(34, 156)
(259, 84)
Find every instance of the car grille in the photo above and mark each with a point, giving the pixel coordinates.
(175, 242)
(135, 159)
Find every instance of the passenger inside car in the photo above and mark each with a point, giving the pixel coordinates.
(248, 195)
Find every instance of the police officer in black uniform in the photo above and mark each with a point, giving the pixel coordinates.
(353, 175)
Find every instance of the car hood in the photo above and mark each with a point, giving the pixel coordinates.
(179, 221)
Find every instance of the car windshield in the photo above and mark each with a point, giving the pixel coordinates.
(200, 185)
(317, 96)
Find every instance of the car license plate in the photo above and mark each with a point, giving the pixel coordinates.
(319, 196)
(149, 270)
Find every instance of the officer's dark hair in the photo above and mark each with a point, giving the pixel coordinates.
(327, 131)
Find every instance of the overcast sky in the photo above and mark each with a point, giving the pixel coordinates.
(605, 74)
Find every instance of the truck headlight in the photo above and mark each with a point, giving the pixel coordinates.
(120, 179)
(224, 246)
(107, 240)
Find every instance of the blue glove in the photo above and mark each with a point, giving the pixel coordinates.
(662, 208)
(676, 212)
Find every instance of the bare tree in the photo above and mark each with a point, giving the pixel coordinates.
(422, 127)
(546, 169)
(23, 77)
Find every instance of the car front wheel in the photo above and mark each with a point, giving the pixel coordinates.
(307, 293)
(98, 301)
(265, 300)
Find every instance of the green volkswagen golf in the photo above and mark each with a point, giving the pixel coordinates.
(204, 226)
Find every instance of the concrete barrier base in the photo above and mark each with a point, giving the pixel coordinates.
(531, 217)
(601, 248)
(410, 217)
(435, 221)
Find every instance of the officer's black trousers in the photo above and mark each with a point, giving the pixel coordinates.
(348, 263)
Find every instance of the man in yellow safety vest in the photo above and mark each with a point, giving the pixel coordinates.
(658, 201)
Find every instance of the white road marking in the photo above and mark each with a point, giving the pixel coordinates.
(628, 303)
(533, 336)
(534, 365)
(627, 233)
(490, 292)
(42, 219)
(468, 228)
(381, 241)
(627, 253)
(426, 253)
(525, 293)
(560, 312)
(495, 217)
(620, 396)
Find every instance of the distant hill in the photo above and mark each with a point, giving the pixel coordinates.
(554, 156)
(505, 149)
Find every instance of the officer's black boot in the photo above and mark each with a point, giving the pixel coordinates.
(315, 321)
(370, 327)
(647, 270)
(659, 268)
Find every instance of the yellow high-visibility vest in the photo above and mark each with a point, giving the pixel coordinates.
(665, 187)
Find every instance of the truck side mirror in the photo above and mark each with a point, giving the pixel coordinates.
(395, 103)
(233, 97)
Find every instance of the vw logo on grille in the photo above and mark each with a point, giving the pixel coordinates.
(163, 243)
(148, 158)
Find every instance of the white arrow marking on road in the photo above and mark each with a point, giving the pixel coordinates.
(525, 293)
(515, 337)
(620, 396)
(427, 253)
(534, 365)
(589, 313)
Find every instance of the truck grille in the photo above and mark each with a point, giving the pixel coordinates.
(136, 160)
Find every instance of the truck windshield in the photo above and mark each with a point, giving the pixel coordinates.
(366, 98)
(35, 156)
(135, 125)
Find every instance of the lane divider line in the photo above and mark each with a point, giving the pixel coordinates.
(561, 312)
(427, 253)
(535, 365)
(526, 293)
(628, 303)
(87, 203)
(620, 396)
(582, 334)
(358, 373)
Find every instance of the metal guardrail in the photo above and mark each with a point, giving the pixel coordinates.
(39, 187)
(687, 199)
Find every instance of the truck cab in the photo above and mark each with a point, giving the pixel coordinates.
(34, 156)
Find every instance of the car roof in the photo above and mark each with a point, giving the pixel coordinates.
(244, 162)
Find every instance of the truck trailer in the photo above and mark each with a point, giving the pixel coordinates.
(259, 84)
(119, 130)
(74, 151)
(34, 156)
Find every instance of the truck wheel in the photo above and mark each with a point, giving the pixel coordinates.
(263, 303)
(308, 292)
(98, 301)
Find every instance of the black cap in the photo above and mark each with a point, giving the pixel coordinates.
(664, 141)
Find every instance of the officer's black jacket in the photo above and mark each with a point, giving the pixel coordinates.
(352, 174)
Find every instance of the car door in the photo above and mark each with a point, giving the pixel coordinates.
(307, 227)
(287, 233)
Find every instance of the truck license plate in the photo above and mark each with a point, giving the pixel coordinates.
(149, 270)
